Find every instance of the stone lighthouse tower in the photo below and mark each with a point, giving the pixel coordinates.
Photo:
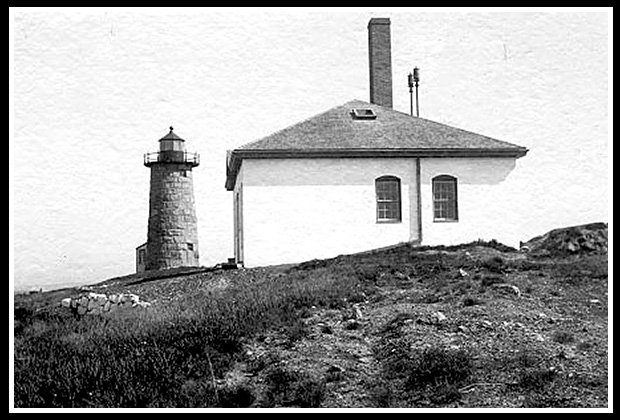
(172, 239)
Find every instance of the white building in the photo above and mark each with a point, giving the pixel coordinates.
(362, 175)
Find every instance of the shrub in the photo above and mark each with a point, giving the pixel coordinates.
(563, 337)
(239, 396)
(138, 360)
(382, 394)
(352, 325)
(436, 366)
(471, 301)
(429, 298)
(535, 379)
(445, 394)
(287, 388)
(491, 279)
(494, 265)
(296, 331)
(368, 273)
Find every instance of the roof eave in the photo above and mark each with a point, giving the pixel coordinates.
(236, 156)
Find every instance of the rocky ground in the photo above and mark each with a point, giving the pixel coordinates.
(547, 326)
(479, 325)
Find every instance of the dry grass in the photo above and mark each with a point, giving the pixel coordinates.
(263, 337)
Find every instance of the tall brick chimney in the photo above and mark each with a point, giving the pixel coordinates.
(380, 61)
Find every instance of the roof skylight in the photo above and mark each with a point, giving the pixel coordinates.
(363, 113)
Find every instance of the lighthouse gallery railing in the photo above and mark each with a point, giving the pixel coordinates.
(172, 157)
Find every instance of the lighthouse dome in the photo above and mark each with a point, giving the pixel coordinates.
(171, 142)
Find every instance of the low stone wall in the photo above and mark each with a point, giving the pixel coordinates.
(99, 303)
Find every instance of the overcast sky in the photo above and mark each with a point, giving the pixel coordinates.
(94, 90)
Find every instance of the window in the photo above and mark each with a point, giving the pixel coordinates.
(190, 246)
(363, 113)
(141, 256)
(171, 145)
(388, 199)
(445, 207)
(184, 173)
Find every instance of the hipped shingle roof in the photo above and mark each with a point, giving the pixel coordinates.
(337, 133)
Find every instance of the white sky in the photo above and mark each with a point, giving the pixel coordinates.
(93, 91)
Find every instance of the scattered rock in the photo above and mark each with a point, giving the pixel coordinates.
(566, 354)
(334, 369)
(435, 318)
(438, 317)
(92, 304)
(325, 329)
(352, 324)
(487, 324)
(514, 289)
(463, 329)
(463, 273)
(358, 312)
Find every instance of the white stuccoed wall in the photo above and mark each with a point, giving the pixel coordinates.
(299, 209)
(487, 204)
(295, 210)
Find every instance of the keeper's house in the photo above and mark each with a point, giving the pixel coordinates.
(363, 175)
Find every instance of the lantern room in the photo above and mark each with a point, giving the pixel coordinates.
(171, 150)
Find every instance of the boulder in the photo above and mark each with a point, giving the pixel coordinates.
(65, 303)
(92, 304)
(586, 238)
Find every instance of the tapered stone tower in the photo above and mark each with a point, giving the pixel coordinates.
(173, 229)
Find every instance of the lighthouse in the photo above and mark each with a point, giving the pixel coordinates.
(172, 239)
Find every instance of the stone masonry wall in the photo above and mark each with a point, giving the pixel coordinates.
(173, 227)
(99, 303)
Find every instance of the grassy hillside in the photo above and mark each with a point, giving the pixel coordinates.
(478, 325)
